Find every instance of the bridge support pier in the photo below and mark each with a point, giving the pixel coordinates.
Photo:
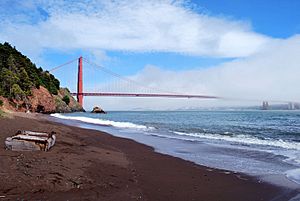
(80, 83)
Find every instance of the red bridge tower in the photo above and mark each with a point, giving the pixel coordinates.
(80, 83)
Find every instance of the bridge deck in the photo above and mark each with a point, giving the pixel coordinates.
(146, 95)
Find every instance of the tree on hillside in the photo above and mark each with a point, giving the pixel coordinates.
(66, 99)
(17, 93)
(25, 82)
(8, 79)
(12, 65)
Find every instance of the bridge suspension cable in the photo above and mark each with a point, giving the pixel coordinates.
(62, 65)
(127, 79)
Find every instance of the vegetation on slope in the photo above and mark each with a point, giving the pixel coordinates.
(18, 75)
(1, 113)
(25, 87)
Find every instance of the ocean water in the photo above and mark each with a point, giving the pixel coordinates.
(260, 143)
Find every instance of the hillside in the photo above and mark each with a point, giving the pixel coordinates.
(24, 86)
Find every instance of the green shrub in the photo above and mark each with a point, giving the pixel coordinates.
(1, 103)
(66, 99)
(2, 113)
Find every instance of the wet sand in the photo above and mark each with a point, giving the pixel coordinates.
(92, 165)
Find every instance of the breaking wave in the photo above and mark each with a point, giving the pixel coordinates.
(244, 139)
(103, 122)
(293, 175)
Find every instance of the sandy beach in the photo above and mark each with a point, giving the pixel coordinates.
(92, 165)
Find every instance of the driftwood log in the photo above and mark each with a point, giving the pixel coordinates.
(30, 141)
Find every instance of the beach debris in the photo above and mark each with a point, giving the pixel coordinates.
(30, 141)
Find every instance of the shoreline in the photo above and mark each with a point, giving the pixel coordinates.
(90, 164)
(277, 179)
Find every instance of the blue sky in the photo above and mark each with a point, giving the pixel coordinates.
(160, 37)
(278, 18)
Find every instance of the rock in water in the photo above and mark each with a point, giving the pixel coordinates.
(98, 110)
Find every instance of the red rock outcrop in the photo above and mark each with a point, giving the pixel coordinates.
(42, 101)
(6, 105)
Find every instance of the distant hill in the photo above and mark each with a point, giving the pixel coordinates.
(24, 86)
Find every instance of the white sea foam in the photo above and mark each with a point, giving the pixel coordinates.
(293, 175)
(245, 139)
(103, 122)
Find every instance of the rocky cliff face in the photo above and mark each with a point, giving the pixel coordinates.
(43, 102)
(62, 106)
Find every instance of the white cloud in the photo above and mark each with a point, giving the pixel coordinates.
(132, 25)
(267, 68)
(269, 75)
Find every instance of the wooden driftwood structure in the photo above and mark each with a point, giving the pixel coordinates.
(30, 141)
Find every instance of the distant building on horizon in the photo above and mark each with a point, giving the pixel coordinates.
(265, 105)
(291, 106)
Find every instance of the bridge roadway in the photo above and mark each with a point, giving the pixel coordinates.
(145, 95)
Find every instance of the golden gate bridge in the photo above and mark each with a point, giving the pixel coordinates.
(151, 91)
(80, 93)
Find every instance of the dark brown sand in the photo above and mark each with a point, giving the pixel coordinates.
(92, 165)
